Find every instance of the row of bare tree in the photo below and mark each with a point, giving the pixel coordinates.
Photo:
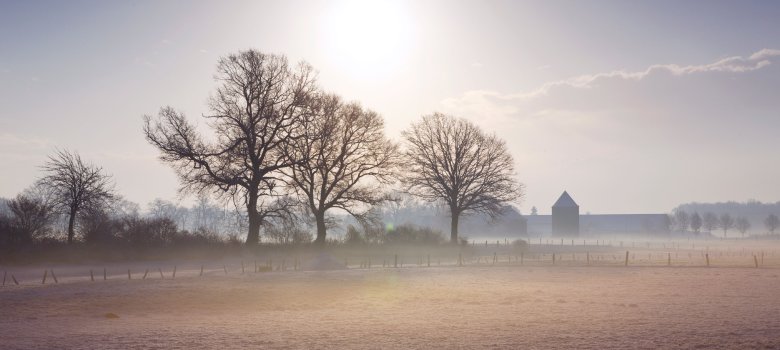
(709, 221)
(281, 141)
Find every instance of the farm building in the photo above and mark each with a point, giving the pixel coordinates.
(566, 221)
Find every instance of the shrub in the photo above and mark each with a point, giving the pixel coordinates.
(410, 234)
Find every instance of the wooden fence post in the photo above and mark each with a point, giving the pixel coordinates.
(54, 276)
(553, 259)
(669, 259)
(5, 273)
(128, 274)
(755, 259)
(145, 273)
(201, 271)
(174, 272)
(104, 274)
(707, 257)
(14, 279)
(242, 267)
(224, 267)
(587, 258)
(45, 272)
(91, 276)
(161, 274)
(626, 257)
(395, 263)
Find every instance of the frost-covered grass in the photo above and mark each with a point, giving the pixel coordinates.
(440, 307)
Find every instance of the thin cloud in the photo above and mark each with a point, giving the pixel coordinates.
(734, 64)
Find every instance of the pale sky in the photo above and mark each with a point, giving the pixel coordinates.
(633, 107)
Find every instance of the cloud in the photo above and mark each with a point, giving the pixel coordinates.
(734, 64)
(669, 133)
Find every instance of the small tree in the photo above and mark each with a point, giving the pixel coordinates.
(75, 185)
(772, 222)
(742, 225)
(31, 217)
(454, 161)
(709, 221)
(683, 220)
(726, 222)
(696, 223)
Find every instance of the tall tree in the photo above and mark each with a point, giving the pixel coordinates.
(742, 225)
(696, 223)
(772, 222)
(726, 222)
(454, 161)
(75, 185)
(347, 159)
(259, 107)
(710, 221)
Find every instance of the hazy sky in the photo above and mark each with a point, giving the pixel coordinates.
(631, 107)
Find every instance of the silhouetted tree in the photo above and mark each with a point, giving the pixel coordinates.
(534, 211)
(709, 221)
(772, 222)
(258, 108)
(75, 185)
(453, 161)
(682, 219)
(30, 217)
(726, 222)
(347, 159)
(742, 225)
(696, 223)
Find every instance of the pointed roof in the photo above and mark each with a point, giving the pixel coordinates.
(565, 201)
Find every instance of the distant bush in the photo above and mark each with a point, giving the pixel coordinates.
(353, 236)
(520, 244)
(410, 234)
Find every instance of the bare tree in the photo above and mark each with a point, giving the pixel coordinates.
(772, 222)
(709, 221)
(347, 160)
(726, 222)
(31, 217)
(696, 223)
(683, 220)
(453, 161)
(742, 225)
(75, 185)
(258, 108)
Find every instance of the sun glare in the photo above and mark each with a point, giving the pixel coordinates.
(367, 39)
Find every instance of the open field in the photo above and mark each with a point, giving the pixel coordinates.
(475, 306)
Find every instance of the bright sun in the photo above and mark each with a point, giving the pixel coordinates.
(369, 38)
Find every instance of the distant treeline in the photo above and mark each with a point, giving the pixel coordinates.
(751, 216)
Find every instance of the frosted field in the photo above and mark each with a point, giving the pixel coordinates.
(438, 307)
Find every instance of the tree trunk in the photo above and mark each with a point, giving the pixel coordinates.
(71, 224)
(321, 232)
(454, 228)
(253, 235)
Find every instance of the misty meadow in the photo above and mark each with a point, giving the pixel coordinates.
(389, 174)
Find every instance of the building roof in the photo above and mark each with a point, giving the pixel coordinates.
(565, 201)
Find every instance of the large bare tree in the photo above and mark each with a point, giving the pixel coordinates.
(454, 161)
(347, 160)
(75, 185)
(258, 108)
